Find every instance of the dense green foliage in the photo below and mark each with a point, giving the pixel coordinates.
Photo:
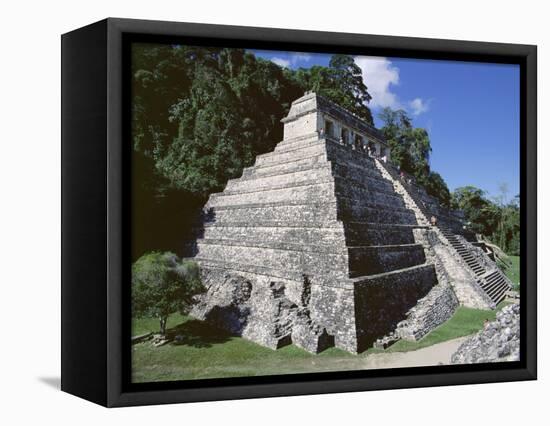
(497, 220)
(202, 114)
(163, 285)
(342, 82)
(410, 150)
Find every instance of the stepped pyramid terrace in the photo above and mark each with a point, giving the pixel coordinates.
(321, 243)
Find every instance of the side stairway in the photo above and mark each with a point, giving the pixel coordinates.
(493, 281)
(464, 252)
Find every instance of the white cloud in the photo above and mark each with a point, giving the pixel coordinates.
(418, 106)
(281, 62)
(299, 57)
(292, 59)
(380, 75)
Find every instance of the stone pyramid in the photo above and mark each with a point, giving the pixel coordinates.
(313, 244)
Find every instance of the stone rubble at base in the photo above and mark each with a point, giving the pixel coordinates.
(317, 244)
(497, 342)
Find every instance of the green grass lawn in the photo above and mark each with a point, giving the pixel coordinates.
(512, 272)
(206, 352)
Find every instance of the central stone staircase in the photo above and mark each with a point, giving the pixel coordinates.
(488, 276)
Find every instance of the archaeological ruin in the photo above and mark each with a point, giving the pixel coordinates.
(322, 243)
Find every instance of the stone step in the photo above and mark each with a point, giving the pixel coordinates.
(260, 183)
(358, 173)
(306, 236)
(494, 277)
(501, 298)
(300, 138)
(332, 279)
(329, 247)
(366, 181)
(401, 277)
(284, 265)
(272, 158)
(360, 234)
(378, 259)
(300, 143)
(491, 281)
(488, 286)
(286, 210)
(372, 195)
(498, 278)
(290, 166)
(321, 261)
(492, 273)
(359, 211)
(496, 293)
(345, 155)
(287, 223)
(305, 193)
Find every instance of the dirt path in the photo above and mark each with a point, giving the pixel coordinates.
(439, 353)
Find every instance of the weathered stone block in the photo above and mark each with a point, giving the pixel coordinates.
(383, 301)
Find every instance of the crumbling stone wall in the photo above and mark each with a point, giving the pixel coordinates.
(438, 305)
(430, 312)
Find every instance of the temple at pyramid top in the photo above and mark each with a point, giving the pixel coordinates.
(313, 113)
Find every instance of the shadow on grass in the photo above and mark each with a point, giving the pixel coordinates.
(196, 333)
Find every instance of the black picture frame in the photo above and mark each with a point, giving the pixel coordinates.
(95, 211)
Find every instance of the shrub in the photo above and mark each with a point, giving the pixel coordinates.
(162, 284)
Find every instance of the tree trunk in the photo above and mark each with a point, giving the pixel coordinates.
(163, 326)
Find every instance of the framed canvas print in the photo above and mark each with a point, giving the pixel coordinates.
(253, 212)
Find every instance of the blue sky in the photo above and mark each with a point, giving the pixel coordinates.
(471, 111)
